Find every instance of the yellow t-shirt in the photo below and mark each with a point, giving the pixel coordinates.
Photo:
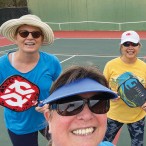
(119, 111)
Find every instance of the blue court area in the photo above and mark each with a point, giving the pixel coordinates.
(78, 51)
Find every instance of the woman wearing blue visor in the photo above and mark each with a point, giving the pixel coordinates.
(78, 105)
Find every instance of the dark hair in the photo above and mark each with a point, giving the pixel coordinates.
(76, 72)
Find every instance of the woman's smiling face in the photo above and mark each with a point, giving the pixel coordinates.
(130, 53)
(29, 43)
(84, 129)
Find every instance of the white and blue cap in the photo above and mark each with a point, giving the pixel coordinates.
(78, 87)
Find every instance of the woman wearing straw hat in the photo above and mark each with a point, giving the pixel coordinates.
(78, 105)
(28, 33)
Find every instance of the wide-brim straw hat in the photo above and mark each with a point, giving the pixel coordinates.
(8, 28)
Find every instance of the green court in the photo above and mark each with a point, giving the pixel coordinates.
(78, 51)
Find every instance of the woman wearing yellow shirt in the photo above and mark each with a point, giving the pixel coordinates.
(119, 112)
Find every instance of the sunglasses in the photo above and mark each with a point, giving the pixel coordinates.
(127, 44)
(73, 105)
(25, 33)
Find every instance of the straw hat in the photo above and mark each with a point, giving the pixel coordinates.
(8, 28)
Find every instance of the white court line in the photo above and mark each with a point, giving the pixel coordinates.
(1, 52)
(84, 55)
(99, 56)
(14, 44)
(67, 58)
(92, 38)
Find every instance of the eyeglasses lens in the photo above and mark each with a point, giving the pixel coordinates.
(75, 104)
(35, 34)
(127, 44)
(70, 108)
(100, 106)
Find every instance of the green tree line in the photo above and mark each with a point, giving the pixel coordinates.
(12, 3)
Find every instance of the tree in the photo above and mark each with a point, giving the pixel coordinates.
(13, 3)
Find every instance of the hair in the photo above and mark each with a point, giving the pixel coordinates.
(76, 72)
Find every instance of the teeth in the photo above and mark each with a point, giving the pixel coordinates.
(30, 43)
(130, 52)
(83, 131)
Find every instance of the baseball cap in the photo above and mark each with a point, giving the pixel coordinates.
(78, 87)
(130, 36)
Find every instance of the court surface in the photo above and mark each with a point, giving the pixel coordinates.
(78, 50)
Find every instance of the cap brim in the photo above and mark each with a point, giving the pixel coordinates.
(129, 40)
(79, 87)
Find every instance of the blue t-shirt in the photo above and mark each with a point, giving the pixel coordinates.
(105, 143)
(43, 74)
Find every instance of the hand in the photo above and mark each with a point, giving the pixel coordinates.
(42, 109)
(144, 107)
(116, 99)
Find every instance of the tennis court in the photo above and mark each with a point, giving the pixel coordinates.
(83, 50)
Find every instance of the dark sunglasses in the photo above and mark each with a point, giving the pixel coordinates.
(25, 33)
(74, 105)
(127, 44)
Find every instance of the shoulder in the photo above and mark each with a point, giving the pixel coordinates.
(112, 63)
(4, 61)
(113, 60)
(51, 62)
(2, 58)
(141, 61)
(105, 143)
(47, 56)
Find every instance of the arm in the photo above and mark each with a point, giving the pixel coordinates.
(106, 73)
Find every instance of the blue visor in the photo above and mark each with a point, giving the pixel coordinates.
(78, 87)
